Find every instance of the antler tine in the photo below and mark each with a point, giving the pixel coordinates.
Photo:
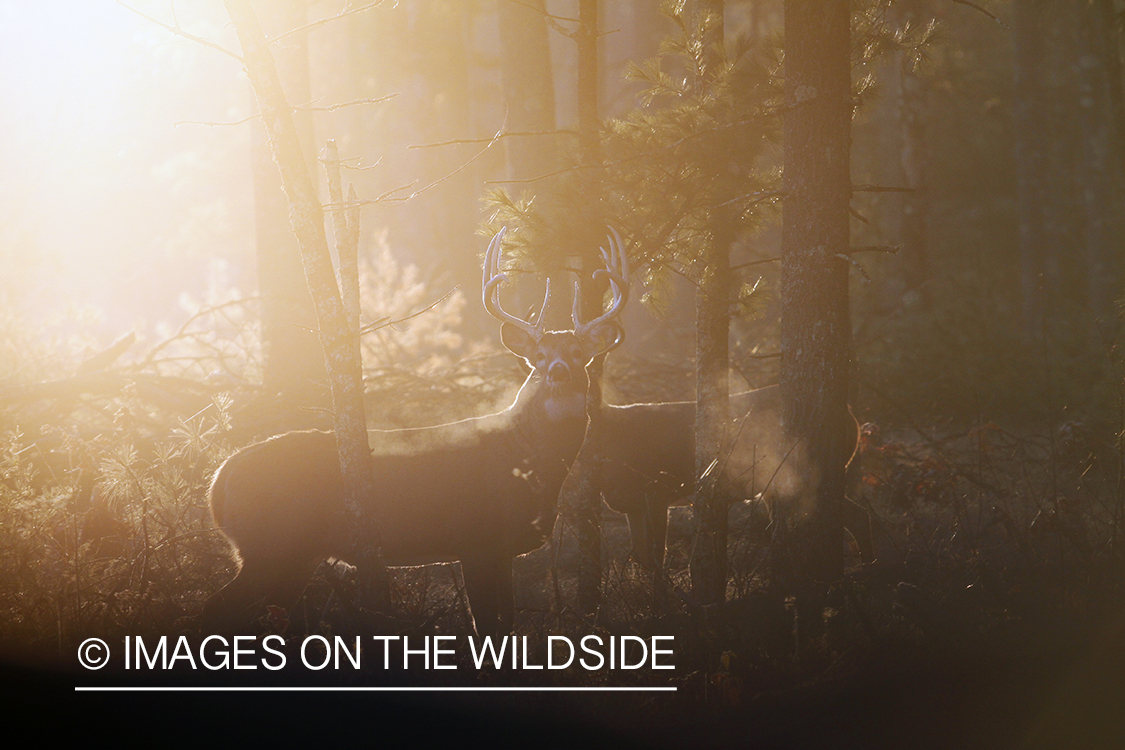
(617, 270)
(543, 310)
(490, 292)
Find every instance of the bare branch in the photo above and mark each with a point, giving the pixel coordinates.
(216, 124)
(312, 25)
(543, 12)
(459, 170)
(881, 189)
(341, 105)
(502, 134)
(200, 313)
(858, 215)
(850, 259)
(181, 33)
(761, 262)
(889, 249)
(976, 7)
(385, 322)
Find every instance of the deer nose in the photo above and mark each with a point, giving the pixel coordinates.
(558, 373)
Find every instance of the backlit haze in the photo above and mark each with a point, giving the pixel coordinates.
(110, 211)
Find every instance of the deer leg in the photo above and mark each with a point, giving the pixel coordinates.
(648, 530)
(488, 585)
(657, 519)
(639, 534)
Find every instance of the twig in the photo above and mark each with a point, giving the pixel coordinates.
(216, 124)
(882, 189)
(889, 249)
(341, 105)
(181, 33)
(313, 24)
(761, 262)
(501, 134)
(976, 7)
(384, 322)
(201, 312)
(850, 259)
(459, 170)
(543, 11)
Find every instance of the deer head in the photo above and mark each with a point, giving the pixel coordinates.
(558, 359)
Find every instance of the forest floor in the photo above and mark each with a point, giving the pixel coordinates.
(991, 616)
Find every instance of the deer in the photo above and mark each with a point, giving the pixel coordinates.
(480, 491)
(648, 464)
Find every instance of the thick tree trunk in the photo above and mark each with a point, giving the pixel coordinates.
(341, 349)
(815, 324)
(529, 101)
(529, 91)
(1032, 152)
(708, 565)
(587, 510)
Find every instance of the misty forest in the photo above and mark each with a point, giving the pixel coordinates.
(789, 329)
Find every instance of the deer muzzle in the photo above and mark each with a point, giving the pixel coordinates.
(558, 373)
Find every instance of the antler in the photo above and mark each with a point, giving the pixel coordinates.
(490, 292)
(617, 269)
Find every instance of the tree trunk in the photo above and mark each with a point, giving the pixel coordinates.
(529, 91)
(915, 204)
(340, 345)
(1032, 152)
(587, 524)
(529, 99)
(1099, 166)
(815, 324)
(708, 565)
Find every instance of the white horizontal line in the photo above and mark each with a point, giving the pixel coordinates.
(221, 689)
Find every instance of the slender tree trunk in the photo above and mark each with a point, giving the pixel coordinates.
(815, 324)
(587, 524)
(341, 349)
(708, 565)
(915, 204)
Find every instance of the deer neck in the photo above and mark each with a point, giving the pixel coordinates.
(549, 426)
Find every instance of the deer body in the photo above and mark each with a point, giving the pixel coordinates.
(643, 477)
(479, 491)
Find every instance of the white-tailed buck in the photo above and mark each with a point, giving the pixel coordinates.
(480, 491)
(648, 464)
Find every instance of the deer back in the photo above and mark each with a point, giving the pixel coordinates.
(649, 451)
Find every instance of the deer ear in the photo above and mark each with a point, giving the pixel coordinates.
(602, 338)
(519, 342)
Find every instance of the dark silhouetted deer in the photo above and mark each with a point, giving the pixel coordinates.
(648, 464)
(480, 491)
